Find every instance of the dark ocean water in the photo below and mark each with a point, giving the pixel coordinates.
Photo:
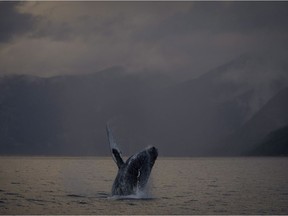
(55, 185)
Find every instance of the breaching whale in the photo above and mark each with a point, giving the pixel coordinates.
(133, 174)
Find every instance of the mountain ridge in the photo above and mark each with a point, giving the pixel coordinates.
(66, 115)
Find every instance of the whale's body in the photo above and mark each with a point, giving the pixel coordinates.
(133, 174)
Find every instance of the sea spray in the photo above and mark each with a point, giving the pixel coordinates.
(140, 194)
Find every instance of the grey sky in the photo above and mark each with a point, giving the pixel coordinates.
(52, 38)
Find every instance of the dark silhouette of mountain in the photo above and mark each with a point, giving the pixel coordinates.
(66, 115)
(271, 117)
(198, 114)
(27, 115)
(275, 144)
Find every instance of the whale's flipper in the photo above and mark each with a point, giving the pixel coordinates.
(116, 153)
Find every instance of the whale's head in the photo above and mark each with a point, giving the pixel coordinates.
(153, 153)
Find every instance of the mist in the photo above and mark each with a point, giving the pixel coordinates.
(66, 115)
(191, 78)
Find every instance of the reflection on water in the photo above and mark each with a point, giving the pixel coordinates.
(46, 185)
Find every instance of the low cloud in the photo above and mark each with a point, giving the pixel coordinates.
(51, 38)
(13, 23)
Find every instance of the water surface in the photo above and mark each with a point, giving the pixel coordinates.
(47, 185)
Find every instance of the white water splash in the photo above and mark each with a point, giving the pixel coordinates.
(140, 194)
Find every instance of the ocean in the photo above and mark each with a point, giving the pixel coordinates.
(82, 185)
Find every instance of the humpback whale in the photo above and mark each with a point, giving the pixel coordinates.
(133, 174)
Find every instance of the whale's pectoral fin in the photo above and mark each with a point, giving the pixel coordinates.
(117, 157)
(116, 153)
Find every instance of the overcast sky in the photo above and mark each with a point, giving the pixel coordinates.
(52, 38)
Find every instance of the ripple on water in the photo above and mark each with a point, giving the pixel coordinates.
(102, 195)
(213, 185)
(11, 194)
(226, 194)
(75, 195)
(15, 183)
(132, 204)
(48, 191)
(284, 194)
(35, 200)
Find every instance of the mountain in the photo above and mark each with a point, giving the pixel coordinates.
(66, 115)
(274, 144)
(198, 114)
(271, 117)
(23, 114)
